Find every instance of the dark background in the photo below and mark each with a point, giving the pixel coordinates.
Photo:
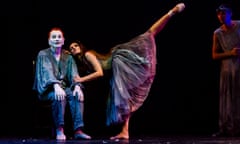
(184, 95)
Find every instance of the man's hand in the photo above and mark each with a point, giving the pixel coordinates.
(78, 93)
(235, 51)
(59, 92)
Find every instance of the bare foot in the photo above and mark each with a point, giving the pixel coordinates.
(120, 136)
(178, 8)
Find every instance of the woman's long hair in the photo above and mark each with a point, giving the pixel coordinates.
(100, 56)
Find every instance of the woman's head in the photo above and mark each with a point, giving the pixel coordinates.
(76, 47)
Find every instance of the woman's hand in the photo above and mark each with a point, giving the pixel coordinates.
(77, 79)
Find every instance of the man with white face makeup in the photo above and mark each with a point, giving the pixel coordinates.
(54, 75)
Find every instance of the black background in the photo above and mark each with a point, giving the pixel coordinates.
(184, 95)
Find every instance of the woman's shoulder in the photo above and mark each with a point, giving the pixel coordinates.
(90, 53)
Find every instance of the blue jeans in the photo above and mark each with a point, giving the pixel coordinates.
(59, 107)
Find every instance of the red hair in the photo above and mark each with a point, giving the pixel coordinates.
(55, 29)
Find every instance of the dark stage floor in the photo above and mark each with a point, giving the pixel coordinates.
(136, 140)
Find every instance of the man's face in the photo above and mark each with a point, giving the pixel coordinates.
(56, 39)
(224, 16)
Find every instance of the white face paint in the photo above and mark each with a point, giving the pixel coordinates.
(56, 38)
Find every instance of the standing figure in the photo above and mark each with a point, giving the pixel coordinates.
(133, 66)
(226, 47)
(54, 81)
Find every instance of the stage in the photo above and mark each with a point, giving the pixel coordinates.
(133, 140)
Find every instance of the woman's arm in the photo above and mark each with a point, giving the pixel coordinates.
(92, 59)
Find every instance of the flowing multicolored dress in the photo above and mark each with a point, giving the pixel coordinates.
(133, 70)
